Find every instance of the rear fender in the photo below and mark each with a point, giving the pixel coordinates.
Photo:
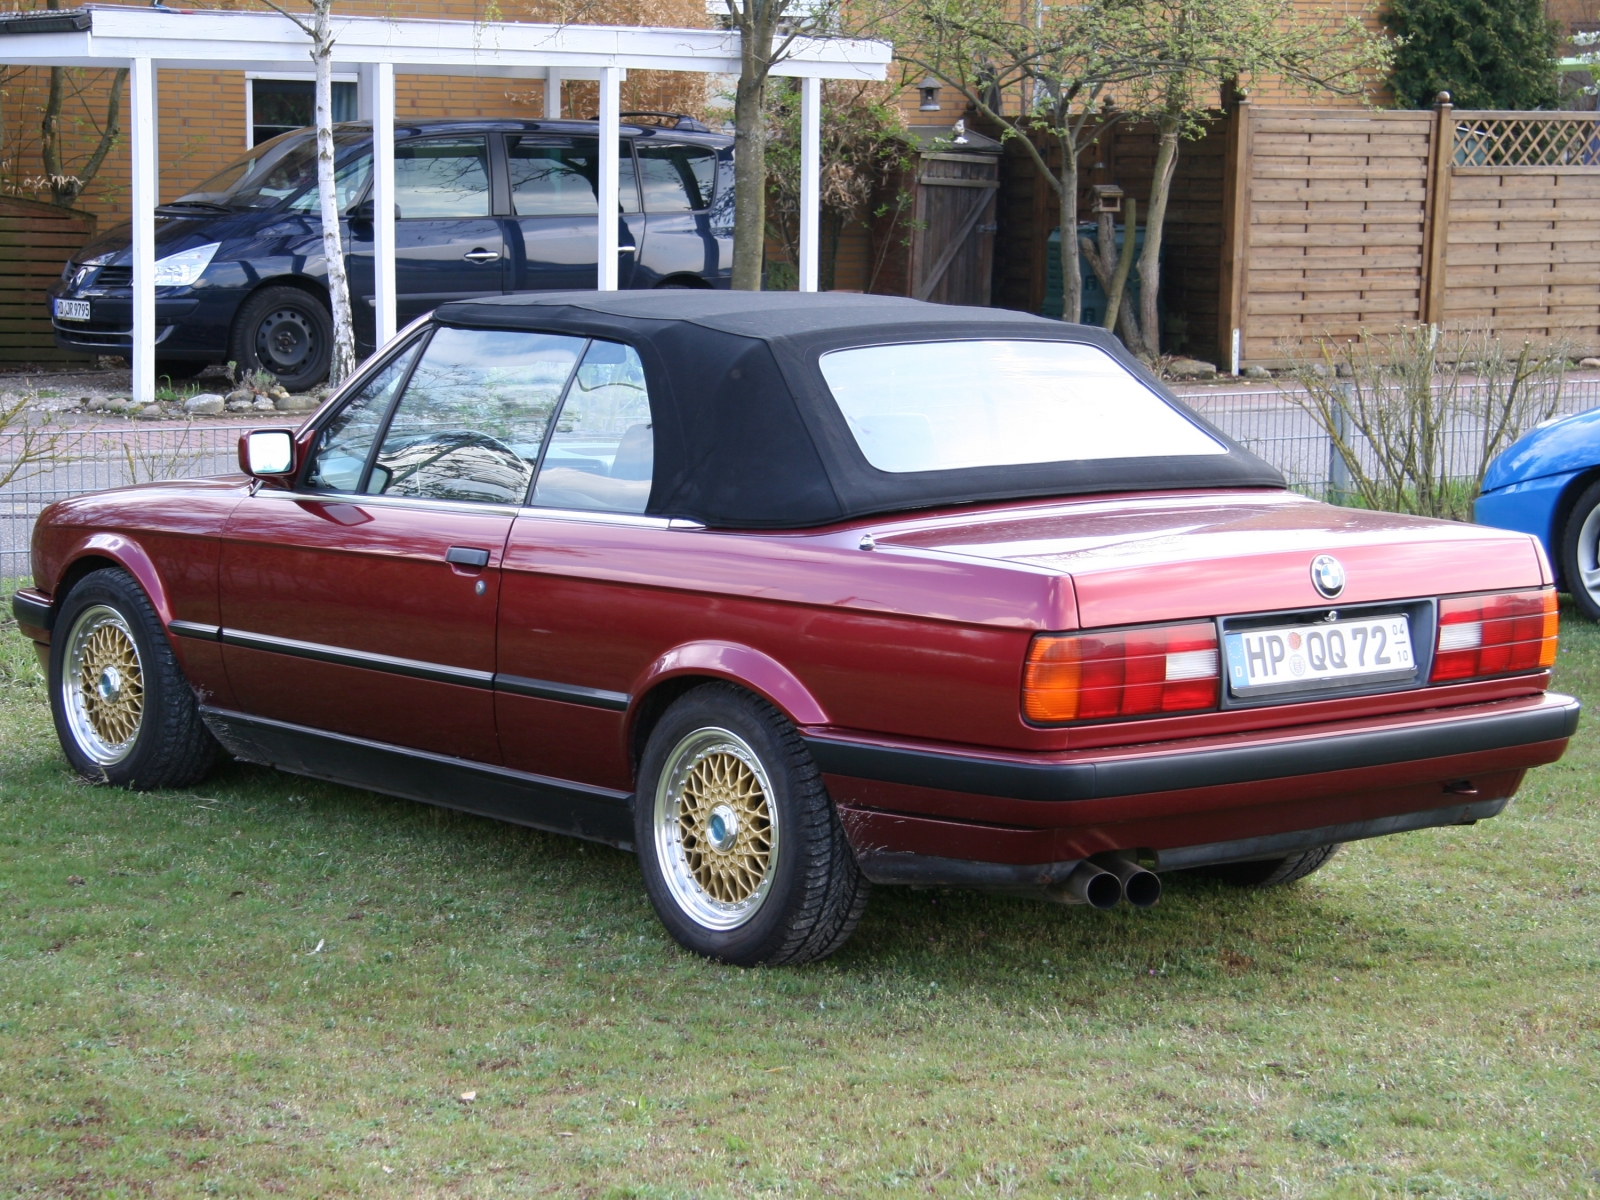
(751, 669)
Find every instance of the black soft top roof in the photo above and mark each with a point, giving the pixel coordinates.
(748, 435)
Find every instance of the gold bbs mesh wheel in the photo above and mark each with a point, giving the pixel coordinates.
(716, 828)
(104, 685)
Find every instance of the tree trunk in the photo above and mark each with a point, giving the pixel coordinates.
(1067, 194)
(1150, 260)
(750, 150)
(343, 360)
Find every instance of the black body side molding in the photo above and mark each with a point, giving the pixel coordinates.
(557, 805)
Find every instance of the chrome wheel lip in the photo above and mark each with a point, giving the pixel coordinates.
(691, 898)
(88, 739)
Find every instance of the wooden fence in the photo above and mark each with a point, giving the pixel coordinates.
(1337, 222)
(36, 239)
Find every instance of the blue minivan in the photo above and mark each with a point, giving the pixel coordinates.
(483, 207)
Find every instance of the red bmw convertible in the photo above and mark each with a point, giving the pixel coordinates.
(795, 594)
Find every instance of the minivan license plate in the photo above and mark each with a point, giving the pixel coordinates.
(72, 310)
(1296, 656)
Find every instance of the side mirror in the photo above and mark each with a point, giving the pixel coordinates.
(267, 454)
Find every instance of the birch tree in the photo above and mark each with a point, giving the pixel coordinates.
(319, 28)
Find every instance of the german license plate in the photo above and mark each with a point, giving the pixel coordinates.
(72, 310)
(1308, 656)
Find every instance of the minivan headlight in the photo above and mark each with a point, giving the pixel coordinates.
(183, 268)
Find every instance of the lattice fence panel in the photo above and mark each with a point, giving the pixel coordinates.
(1532, 140)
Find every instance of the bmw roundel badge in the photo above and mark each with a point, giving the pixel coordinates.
(1327, 575)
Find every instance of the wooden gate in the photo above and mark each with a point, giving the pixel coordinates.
(944, 252)
(952, 243)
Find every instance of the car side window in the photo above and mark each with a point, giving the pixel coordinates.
(341, 449)
(474, 416)
(601, 455)
(559, 177)
(443, 177)
(349, 181)
(676, 178)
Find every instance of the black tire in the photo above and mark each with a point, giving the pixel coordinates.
(163, 744)
(1580, 552)
(1271, 872)
(811, 893)
(286, 331)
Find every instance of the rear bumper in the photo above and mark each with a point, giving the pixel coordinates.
(1177, 803)
(1062, 777)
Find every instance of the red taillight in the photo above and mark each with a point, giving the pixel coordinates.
(1122, 673)
(1495, 634)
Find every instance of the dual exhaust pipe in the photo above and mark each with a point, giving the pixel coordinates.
(1106, 881)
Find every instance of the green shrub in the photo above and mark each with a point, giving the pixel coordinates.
(1485, 53)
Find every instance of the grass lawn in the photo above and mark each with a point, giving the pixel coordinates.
(275, 986)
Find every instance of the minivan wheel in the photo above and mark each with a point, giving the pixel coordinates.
(123, 710)
(286, 331)
(743, 855)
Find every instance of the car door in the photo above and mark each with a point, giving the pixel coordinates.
(363, 601)
(551, 234)
(577, 618)
(678, 183)
(449, 245)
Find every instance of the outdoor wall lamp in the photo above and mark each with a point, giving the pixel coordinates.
(929, 88)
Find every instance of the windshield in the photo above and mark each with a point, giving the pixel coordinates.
(940, 406)
(283, 168)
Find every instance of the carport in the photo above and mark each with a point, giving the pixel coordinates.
(147, 39)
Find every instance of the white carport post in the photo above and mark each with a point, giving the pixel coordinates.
(552, 94)
(610, 169)
(810, 178)
(384, 300)
(141, 85)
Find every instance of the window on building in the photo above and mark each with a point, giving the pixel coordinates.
(279, 105)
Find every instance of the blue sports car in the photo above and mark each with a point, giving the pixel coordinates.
(1548, 484)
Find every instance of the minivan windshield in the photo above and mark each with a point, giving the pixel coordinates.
(942, 406)
(283, 169)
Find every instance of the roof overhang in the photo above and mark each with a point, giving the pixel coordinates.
(205, 39)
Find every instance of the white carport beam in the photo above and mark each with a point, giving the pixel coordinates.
(810, 178)
(610, 169)
(141, 83)
(222, 40)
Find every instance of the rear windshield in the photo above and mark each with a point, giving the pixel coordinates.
(942, 406)
(286, 168)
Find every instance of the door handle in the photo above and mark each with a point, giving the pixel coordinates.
(480, 255)
(467, 556)
(627, 249)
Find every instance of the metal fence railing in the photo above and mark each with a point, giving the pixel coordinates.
(1264, 421)
(1272, 425)
(95, 459)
